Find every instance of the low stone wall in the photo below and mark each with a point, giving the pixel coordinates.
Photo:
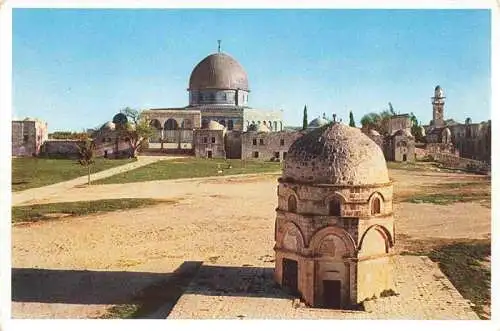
(453, 161)
(60, 149)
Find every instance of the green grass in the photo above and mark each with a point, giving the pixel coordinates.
(461, 261)
(447, 199)
(418, 166)
(33, 213)
(450, 193)
(189, 168)
(122, 311)
(36, 172)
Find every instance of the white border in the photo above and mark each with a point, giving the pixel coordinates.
(5, 170)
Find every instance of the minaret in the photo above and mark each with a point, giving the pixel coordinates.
(438, 107)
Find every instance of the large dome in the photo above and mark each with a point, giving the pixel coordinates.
(335, 154)
(218, 71)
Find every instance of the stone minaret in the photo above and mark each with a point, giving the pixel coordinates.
(438, 107)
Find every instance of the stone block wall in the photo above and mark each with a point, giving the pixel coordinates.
(209, 143)
(456, 162)
(266, 146)
(28, 137)
(61, 149)
(374, 276)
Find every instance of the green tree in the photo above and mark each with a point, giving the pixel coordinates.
(135, 130)
(304, 118)
(391, 109)
(86, 151)
(416, 128)
(352, 123)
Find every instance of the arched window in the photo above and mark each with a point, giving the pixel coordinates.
(292, 204)
(171, 124)
(376, 206)
(334, 207)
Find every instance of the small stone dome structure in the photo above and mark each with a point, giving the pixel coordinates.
(218, 71)
(214, 125)
(108, 126)
(334, 227)
(336, 154)
(318, 122)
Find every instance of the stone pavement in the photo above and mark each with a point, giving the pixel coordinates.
(40, 193)
(226, 292)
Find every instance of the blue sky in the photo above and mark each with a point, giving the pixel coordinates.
(76, 68)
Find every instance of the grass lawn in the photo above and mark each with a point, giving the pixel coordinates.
(36, 172)
(189, 168)
(465, 263)
(33, 213)
(455, 192)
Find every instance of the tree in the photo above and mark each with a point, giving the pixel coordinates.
(304, 118)
(352, 123)
(391, 109)
(371, 121)
(86, 150)
(416, 129)
(135, 129)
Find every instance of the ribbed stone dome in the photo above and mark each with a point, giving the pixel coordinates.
(335, 154)
(218, 71)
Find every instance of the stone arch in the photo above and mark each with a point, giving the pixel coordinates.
(328, 232)
(287, 193)
(171, 124)
(155, 123)
(335, 201)
(286, 233)
(372, 202)
(382, 231)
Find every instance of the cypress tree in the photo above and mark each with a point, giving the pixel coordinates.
(351, 120)
(304, 118)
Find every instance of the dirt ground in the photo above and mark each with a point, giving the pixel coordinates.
(85, 264)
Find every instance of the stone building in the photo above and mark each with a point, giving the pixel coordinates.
(209, 142)
(218, 91)
(468, 140)
(398, 144)
(267, 146)
(334, 227)
(28, 136)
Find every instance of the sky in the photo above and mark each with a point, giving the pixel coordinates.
(76, 68)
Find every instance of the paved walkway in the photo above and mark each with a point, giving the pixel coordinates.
(249, 293)
(38, 193)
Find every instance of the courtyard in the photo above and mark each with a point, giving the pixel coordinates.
(141, 261)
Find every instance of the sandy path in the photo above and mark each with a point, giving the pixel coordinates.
(46, 192)
(227, 220)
